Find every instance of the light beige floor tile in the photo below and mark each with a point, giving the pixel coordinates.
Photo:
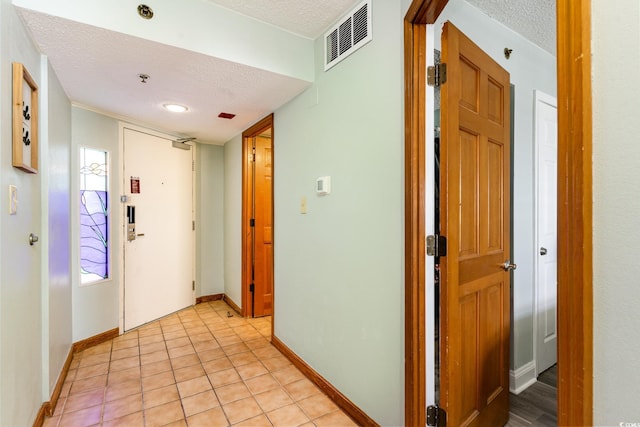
(163, 414)
(177, 342)
(124, 375)
(197, 366)
(251, 370)
(94, 359)
(301, 389)
(158, 381)
(200, 402)
(92, 371)
(79, 401)
(290, 415)
(276, 363)
(160, 396)
(154, 357)
(123, 389)
(188, 373)
(334, 419)
(317, 406)
(209, 355)
(155, 368)
(152, 347)
(222, 378)
(242, 410)
(194, 386)
(131, 420)
(122, 407)
(211, 418)
(262, 383)
(82, 386)
(51, 421)
(240, 359)
(231, 393)
(125, 353)
(287, 375)
(273, 399)
(83, 418)
(123, 364)
(181, 351)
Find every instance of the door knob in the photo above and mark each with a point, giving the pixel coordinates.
(33, 239)
(508, 266)
(543, 251)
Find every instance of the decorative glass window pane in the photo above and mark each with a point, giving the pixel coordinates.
(94, 216)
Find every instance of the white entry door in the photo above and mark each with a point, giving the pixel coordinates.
(158, 215)
(546, 134)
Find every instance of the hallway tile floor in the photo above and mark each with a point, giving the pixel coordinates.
(202, 366)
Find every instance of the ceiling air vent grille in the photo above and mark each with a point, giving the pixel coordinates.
(350, 34)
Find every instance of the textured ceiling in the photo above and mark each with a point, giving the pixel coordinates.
(533, 19)
(309, 18)
(98, 67)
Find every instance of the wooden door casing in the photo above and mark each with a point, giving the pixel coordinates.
(257, 204)
(475, 289)
(575, 276)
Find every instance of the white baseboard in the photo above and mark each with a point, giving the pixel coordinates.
(522, 378)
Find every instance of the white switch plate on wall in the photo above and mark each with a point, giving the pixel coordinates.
(13, 200)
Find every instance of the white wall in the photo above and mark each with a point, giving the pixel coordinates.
(616, 208)
(95, 307)
(530, 68)
(209, 220)
(339, 269)
(59, 250)
(233, 219)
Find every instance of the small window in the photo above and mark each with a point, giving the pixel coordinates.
(94, 215)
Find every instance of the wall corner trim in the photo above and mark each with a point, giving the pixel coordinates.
(522, 378)
(232, 304)
(357, 414)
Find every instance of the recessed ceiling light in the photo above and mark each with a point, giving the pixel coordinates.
(175, 108)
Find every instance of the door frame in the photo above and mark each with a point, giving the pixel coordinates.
(575, 253)
(253, 131)
(539, 97)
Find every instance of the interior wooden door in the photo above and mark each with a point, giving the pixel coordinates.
(475, 289)
(263, 241)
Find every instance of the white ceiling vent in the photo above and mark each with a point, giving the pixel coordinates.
(348, 35)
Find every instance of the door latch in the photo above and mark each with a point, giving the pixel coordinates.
(509, 266)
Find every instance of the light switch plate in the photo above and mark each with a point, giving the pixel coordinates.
(13, 200)
(303, 205)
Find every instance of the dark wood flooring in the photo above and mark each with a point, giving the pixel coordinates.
(537, 405)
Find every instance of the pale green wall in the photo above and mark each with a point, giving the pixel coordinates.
(339, 269)
(209, 220)
(96, 307)
(35, 291)
(233, 219)
(21, 332)
(616, 209)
